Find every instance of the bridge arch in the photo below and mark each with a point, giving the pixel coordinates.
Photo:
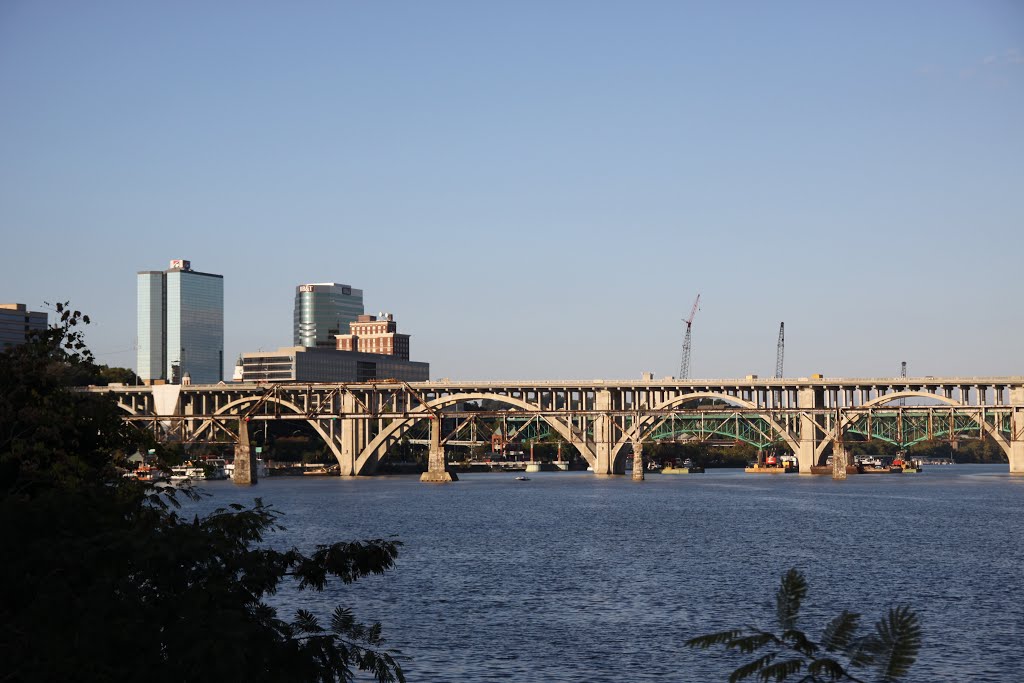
(646, 425)
(394, 431)
(127, 408)
(224, 410)
(889, 398)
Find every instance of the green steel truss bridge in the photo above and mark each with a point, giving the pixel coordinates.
(605, 421)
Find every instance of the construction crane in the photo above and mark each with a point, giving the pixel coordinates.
(684, 364)
(780, 350)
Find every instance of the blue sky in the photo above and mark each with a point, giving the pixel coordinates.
(536, 190)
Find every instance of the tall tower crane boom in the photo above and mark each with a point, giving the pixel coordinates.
(780, 350)
(684, 364)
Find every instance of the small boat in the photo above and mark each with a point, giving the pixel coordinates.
(522, 479)
(180, 474)
(147, 473)
(904, 465)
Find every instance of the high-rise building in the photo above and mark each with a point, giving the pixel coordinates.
(323, 310)
(370, 335)
(17, 322)
(181, 325)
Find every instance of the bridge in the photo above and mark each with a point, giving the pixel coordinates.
(605, 421)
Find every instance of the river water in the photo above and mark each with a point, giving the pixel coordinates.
(572, 577)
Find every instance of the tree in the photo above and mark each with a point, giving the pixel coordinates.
(104, 579)
(889, 651)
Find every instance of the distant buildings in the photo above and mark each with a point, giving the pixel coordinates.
(180, 325)
(373, 350)
(322, 311)
(16, 322)
(370, 335)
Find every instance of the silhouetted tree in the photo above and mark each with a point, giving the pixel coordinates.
(103, 579)
(888, 652)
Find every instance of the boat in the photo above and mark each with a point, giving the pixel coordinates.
(146, 473)
(180, 474)
(906, 465)
(886, 465)
(687, 467)
(520, 478)
(773, 464)
(322, 471)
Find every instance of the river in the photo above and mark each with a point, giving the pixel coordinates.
(572, 577)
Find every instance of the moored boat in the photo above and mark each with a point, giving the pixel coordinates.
(147, 473)
(773, 465)
(686, 467)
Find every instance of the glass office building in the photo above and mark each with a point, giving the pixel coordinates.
(323, 310)
(180, 325)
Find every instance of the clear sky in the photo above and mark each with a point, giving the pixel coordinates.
(535, 189)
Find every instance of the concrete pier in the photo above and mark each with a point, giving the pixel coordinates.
(437, 472)
(245, 464)
(638, 461)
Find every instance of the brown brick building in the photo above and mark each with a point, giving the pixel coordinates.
(370, 334)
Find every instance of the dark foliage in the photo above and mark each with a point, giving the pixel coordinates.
(103, 579)
(886, 654)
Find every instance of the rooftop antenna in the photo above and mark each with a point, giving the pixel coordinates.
(780, 350)
(684, 365)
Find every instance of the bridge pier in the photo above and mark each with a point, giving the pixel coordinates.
(1016, 454)
(436, 469)
(604, 444)
(840, 458)
(245, 464)
(808, 398)
(638, 460)
(350, 447)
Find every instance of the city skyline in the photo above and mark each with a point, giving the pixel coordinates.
(535, 192)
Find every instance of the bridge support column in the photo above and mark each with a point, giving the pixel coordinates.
(1016, 454)
(436, 470)
(808, 399)
(349, 444)
(604, 445)
(245, 464)
(638, 460)
(840, 459)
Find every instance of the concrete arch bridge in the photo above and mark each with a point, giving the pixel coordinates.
(603, 420)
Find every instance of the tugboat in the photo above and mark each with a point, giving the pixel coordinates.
(905, 464)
